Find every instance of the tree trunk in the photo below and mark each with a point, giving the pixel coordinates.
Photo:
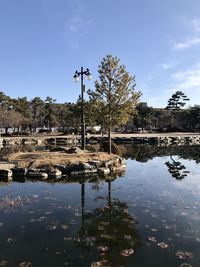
(109, 127)
(109, 141)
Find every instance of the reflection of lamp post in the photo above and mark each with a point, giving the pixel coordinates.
(76, 79)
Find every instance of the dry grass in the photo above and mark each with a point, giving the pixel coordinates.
(41, 159)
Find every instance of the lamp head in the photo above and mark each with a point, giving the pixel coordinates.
(88, 75)
(76, 77)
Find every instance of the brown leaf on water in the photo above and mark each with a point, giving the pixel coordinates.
(185, 265)
(127, 252)
(183, 255)
(152, 239)
(162, 245)
(25, 264)
(3, 263)
(103, 263)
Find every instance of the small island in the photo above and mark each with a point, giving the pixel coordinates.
(50, 164)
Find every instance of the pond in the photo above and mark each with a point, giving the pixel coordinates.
(150, 216)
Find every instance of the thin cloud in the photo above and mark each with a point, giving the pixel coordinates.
(188, 79)
(167, 65)
(187, 44)
(195, 24)
(76, 26)
(194, 39)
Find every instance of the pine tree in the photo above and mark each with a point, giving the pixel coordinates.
(177, 101)
(114, 97)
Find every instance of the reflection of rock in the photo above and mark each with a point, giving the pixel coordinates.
(37, 175)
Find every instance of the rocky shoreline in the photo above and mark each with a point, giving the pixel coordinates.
(55, 171)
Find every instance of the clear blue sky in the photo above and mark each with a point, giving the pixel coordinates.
(42, 43)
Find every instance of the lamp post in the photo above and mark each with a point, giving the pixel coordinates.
(76, 79)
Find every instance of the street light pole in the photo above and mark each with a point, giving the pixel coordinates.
(76, 79)
(82, 112)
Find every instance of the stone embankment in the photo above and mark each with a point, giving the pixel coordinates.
(47, 166)
(75, 140)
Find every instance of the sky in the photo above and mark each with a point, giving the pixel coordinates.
(43, 42)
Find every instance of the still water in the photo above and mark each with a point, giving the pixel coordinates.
(150, 216)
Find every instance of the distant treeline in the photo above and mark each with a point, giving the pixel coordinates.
(23, 115)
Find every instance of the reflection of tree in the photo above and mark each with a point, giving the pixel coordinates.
(141, 153)
(176, 169)
(146, 152)
(110, 229)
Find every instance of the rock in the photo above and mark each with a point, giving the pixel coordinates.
(108, 163)
(95, 163)
(6, 165)
(118, 169)
(86, 166)
(55, 173)
(19, 171)
(64, 169)
(122, 161)
(37, 175)
(6, 174)
(75, 150)
(103, 171)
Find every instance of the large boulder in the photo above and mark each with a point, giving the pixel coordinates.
(37, 174)
(19, 171)
(103, 171)
(54, 173)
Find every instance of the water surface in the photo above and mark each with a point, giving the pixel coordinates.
(143, 218)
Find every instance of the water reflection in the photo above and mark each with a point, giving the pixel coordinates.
(146, 152)
(48, 224)
(177, 169)
(110, 229)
